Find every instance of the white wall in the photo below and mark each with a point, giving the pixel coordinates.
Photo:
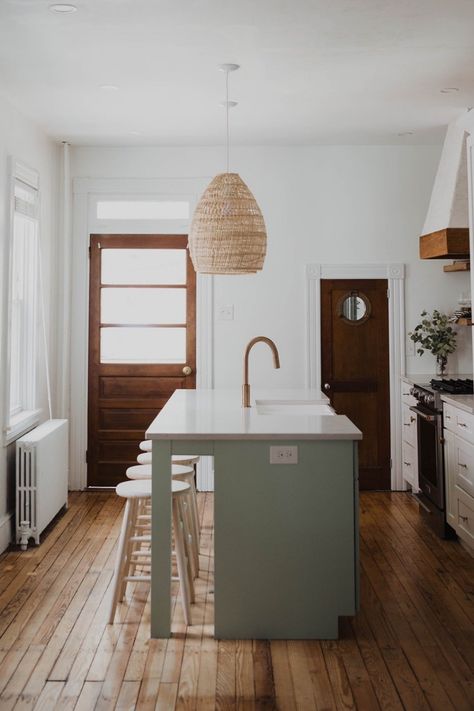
(326, 204)
(22, 139)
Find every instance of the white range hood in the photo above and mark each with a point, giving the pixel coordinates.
(445, 233)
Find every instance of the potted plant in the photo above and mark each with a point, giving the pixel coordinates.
(436, 335)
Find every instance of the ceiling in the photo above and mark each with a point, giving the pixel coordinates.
(312, 71)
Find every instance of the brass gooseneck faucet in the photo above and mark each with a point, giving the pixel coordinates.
(276, 363)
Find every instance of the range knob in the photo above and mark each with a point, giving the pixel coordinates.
(429, 399)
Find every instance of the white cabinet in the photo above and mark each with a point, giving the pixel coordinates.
(458, 437)
(409, 439)
(449, 478)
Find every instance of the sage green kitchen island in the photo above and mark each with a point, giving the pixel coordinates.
(286, 533)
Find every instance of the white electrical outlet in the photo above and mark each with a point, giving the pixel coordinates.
(283, 455)
(409, 347)
(225, 313)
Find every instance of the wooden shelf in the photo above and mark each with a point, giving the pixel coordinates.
(452, 242)
(458, 267)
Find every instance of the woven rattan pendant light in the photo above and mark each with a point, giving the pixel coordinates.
(227, 234)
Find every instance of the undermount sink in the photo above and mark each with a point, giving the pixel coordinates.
(293, 407)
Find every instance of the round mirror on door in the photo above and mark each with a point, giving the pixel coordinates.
(354, 308)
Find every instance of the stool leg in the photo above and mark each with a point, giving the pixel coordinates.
(135, 545)
(194, 521)
(120, 560)
(192, 535)
(128, 548)
(183, 511)
(183, 573)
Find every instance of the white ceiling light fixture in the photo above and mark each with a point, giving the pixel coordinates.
(227, 234)
(63, 8)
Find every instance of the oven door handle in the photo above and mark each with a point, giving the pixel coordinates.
(423, 415)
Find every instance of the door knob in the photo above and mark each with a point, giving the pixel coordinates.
(187, 370)
(327, 386)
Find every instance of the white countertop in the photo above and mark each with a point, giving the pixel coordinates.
(464, 402)
(218, 414)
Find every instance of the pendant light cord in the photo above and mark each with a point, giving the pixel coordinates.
(227, 118)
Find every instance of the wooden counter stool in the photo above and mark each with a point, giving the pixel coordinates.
(129, 555)
(186, 460)
(185, 474)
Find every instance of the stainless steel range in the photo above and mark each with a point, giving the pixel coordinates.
(429, 412)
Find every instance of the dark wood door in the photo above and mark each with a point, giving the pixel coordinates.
(142, 343)
(355, 367)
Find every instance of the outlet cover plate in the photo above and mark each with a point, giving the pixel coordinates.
(225, 312)
(283, 455)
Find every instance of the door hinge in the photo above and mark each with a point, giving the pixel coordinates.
(391, 464)
(388, 293)
(87, 456)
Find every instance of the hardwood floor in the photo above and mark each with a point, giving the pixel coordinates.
(410, 647)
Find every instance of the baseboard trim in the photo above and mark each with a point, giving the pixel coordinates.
(5, 531)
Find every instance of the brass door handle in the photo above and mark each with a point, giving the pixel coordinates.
(187, 370)
(327, 386)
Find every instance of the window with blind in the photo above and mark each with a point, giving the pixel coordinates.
(22, 302)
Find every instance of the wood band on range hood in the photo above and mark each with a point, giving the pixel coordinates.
(450, 243)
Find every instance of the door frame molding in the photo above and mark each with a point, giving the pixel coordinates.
(395, 275)
(85, 193)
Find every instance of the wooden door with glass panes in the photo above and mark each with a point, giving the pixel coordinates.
(142, 343)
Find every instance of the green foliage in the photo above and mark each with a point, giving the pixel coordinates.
(434, 334)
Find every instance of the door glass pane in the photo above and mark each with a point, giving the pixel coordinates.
(143, 345)
(143, 305)
(143, 266)
(142, 210)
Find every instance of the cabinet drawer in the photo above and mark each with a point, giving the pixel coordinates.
(459, 422)
(409, 426)
(465, 516)
(410, 465)
(464, 465)
(407, 399)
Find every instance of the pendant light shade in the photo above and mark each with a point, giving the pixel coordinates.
(227, 233)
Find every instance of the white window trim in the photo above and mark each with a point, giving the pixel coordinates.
(14, 427)
(21, 423)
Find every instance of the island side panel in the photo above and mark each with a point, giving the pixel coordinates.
(161, 539)
(284, 540)
(356, 526)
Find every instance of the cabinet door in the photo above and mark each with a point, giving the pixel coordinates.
(410, 465)
(464, 465)
(409, 432)
(450, 477)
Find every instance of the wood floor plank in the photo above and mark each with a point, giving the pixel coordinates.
(284, 689)
(86, 700)
(322, 689)
(402, 578)
(410, 647)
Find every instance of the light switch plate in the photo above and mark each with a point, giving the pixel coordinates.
(283, 455)
(225, 313)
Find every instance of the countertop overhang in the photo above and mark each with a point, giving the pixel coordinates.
(218, 414)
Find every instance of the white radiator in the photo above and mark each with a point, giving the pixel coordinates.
(41, 478)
